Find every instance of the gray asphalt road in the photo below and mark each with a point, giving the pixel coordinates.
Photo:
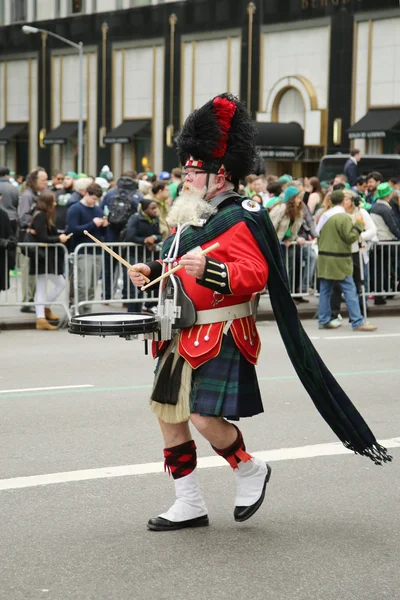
(329, 527)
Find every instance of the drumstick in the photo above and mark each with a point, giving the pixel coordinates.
(175, 269)
(114, 254)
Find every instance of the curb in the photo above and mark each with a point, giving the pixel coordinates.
(305, 314)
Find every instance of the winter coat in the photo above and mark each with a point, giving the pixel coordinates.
(9, 200)
(45, 260)
(334, 247)
(351, 171)
(369, 234)
(281, 222)
(382, 215)
(139, 228)
(26, 204)
(394, 203)
(307, 230)
(60, 217)
(8, 245)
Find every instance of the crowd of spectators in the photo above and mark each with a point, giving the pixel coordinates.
(134, 208)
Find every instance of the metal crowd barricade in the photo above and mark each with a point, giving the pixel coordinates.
(300, 262)
(98, 278)
(22, 285)
(383, 269)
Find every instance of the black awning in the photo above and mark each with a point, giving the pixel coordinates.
(279, 140)
(61, 134)
(376, 124)
(10, 131)
(124, 133)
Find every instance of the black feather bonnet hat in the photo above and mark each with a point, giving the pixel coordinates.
(219, 138)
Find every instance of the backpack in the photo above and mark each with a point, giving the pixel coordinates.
(120, 207)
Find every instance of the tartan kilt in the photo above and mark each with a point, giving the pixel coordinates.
(225, 386)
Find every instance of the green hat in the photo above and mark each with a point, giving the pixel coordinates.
(81, 176)
(347, 186)
(337, 197)
(383, 191)
(324, 185)
(285, 179)
(72, 174)
(290, 192)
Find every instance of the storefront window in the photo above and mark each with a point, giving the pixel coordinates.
(374, 146)
(77, 6)
(18, 11)
(136, 3)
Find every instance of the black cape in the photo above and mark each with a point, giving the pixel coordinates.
(329, 398)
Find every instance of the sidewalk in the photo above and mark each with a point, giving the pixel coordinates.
(12, 318)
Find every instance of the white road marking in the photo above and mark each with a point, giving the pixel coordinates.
(45, 389)
(333, 449)
(360, 337)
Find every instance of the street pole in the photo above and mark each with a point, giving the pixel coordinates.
(28, 29)
(80, 122)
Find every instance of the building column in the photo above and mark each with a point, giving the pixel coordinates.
(44, 102)
(104, 96)
(340, 78)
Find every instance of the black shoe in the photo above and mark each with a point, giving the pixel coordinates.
(27, 309)
(242, 513)
(301, 300)
(379, 301)
(160, 524)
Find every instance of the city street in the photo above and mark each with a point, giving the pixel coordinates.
(81, 473)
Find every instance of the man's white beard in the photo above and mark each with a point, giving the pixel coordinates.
(190, 207)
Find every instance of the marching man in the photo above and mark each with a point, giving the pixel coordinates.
(206, 374)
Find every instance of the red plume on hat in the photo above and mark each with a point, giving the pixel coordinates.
(224, 110)
(219, 134)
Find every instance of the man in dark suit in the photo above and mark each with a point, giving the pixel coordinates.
(351, 167)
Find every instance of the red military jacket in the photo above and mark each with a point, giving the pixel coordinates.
(234, 272)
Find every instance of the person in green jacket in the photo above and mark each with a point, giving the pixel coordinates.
(337, 233)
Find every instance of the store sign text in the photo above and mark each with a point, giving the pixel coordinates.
(323, 3)
(278, 153)
(367, 135)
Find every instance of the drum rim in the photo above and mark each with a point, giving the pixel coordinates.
(149, 324)
(147, 318)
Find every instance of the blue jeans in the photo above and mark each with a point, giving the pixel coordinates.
(350, 295)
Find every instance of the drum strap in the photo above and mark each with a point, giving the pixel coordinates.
(224, 313)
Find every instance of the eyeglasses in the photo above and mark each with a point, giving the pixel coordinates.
(190, 174)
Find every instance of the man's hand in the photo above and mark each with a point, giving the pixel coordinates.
(194, 264)
(98, 221)
(301, 241)
(287, 244)
(135, 274)
(150, 240)
(64, 238)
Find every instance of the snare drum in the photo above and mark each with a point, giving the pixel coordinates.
(126, 325)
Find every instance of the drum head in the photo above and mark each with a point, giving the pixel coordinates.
(120, 324)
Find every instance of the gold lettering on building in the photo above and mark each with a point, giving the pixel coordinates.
(305, 4)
